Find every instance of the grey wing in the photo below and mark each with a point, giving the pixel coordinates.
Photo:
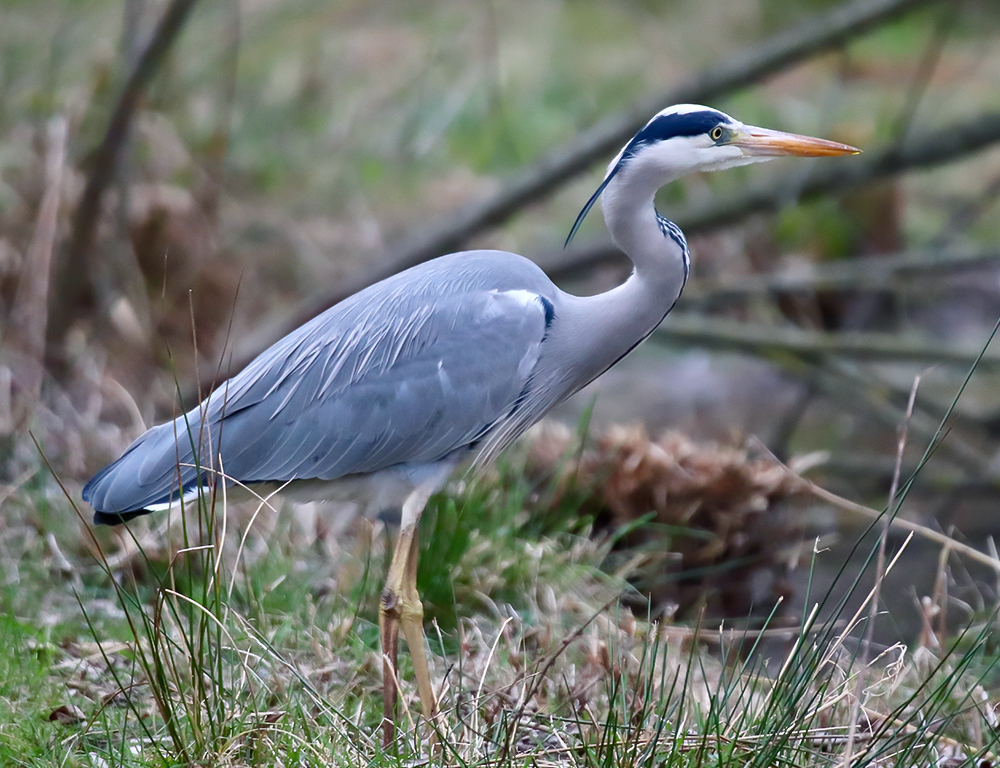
(412, 386)
(397, 376)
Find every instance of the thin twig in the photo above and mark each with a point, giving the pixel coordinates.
(897, 523)
(841, 382)
(737, 636)
(967, 212)
(945, 25)
(540, 676)
(901, 524)
(859, 274)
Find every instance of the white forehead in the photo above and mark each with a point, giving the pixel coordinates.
(687, 109)
(684, 109)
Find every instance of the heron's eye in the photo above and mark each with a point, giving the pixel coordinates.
(716, 133)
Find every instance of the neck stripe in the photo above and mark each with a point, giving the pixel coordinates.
(671, 230)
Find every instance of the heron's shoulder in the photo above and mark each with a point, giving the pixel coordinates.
(456, 282)
(471, 285)
(476, 270)
(434, 304)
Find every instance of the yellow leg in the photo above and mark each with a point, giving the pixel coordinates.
(401, 606)
(388, 623)
(412, 621)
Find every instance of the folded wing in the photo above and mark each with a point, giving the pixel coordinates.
(410, 370)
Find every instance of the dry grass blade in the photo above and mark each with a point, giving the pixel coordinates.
(892, 508)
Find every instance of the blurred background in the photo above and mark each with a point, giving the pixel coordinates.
(183, 182)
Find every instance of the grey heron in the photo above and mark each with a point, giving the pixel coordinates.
(380, 397)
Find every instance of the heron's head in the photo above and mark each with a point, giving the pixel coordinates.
(687, 137)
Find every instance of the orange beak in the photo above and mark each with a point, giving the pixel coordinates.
(768, 143)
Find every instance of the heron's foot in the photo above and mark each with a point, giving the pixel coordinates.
(401, 606)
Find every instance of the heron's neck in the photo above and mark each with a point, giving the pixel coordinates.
(658, 251)
(615, 321)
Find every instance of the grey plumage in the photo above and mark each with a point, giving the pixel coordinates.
(430, 362)
(458, 354)
(383, 394)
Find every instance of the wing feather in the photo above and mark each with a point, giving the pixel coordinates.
(410, 370)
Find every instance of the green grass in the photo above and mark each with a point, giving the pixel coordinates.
(29, 691)
(262, 649)
(275, 661)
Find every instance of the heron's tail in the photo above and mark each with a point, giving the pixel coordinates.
(159, 469)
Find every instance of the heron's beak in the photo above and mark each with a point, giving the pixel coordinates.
(763, 142)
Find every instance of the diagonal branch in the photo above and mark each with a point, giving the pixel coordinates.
(861, 345)
(74, 287)
(869, 273)
(820, 33)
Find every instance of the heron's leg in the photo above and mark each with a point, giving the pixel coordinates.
(388, 625)
(412, 621)
(401, 605)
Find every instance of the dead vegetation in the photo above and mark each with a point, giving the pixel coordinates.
(566, 676)
(709, 526)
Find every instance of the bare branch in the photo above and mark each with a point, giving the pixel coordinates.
(933, 148)
(75, 285)
(816, 35)
(764, 340)
(862, 274)
(902, 524)
(821, 33)
(860, 395)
